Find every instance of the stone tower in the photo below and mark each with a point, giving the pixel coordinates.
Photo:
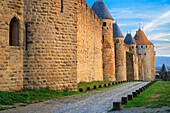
(131, 58)
(103, 13)
(163, 73)
(120, 53)
(51, 54)
(145, 49)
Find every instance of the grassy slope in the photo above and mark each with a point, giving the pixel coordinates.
(155, 96)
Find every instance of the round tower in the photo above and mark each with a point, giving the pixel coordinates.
(145, 49)
(103, 13)
(131, 58)
(120, 54)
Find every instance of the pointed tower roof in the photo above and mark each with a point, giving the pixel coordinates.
(163, 69)
(140, 38)
(129, 39)
(101, 10)
(116, 31)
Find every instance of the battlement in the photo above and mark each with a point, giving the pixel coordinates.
(83, 5)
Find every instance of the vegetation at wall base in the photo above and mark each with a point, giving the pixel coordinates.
(30, 96)
(88, 84)
(156, 96)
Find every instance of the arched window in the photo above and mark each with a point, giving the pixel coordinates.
(14, 32)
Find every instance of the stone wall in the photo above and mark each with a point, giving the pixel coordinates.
(136, 68)
(132, 49)
(50, 60)
(120, 59)
(89, 45)
(129, 66)
(140, 66)
(11, 57)
(132, 66)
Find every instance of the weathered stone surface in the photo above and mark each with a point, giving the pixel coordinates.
(89, 45)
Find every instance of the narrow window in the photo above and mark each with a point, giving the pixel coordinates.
(103, 65)
(81, 1)
(141, 46)
(132, 47)
(145, 54)
(117, 41)
(146, 46)
(14, 32)
(26, 36)
(104, 23)
(136, 46)
(62, 6)
(86, 6)
(103, 39)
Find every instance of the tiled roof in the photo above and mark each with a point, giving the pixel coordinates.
(129, 39)
(140, 38)
(116, 31)
(164, 69)
(101, 10)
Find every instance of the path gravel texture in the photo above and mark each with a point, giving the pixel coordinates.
(92, 102)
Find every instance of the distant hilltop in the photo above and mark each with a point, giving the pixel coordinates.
(160, 60)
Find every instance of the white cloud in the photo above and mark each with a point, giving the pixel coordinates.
(160, 36)
(162, 49)
(162, 20)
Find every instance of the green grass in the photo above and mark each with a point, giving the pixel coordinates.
(32, 96)
(88, 84)
(23, 105)
(168, 110)
(156, 96)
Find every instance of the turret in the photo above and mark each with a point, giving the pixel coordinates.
(131, 42)
(120, 54)
(163, 73)
(103, 13)
(145, 49)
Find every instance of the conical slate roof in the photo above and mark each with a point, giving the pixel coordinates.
(140, 38)
(101, 10)
(116, 31)
(164, 69)
(129, 39)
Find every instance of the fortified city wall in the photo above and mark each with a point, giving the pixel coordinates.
(56, 44)
(89, 45)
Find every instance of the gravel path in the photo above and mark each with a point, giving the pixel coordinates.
(93, 102)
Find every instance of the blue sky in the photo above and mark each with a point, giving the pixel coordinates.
(154, 16)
